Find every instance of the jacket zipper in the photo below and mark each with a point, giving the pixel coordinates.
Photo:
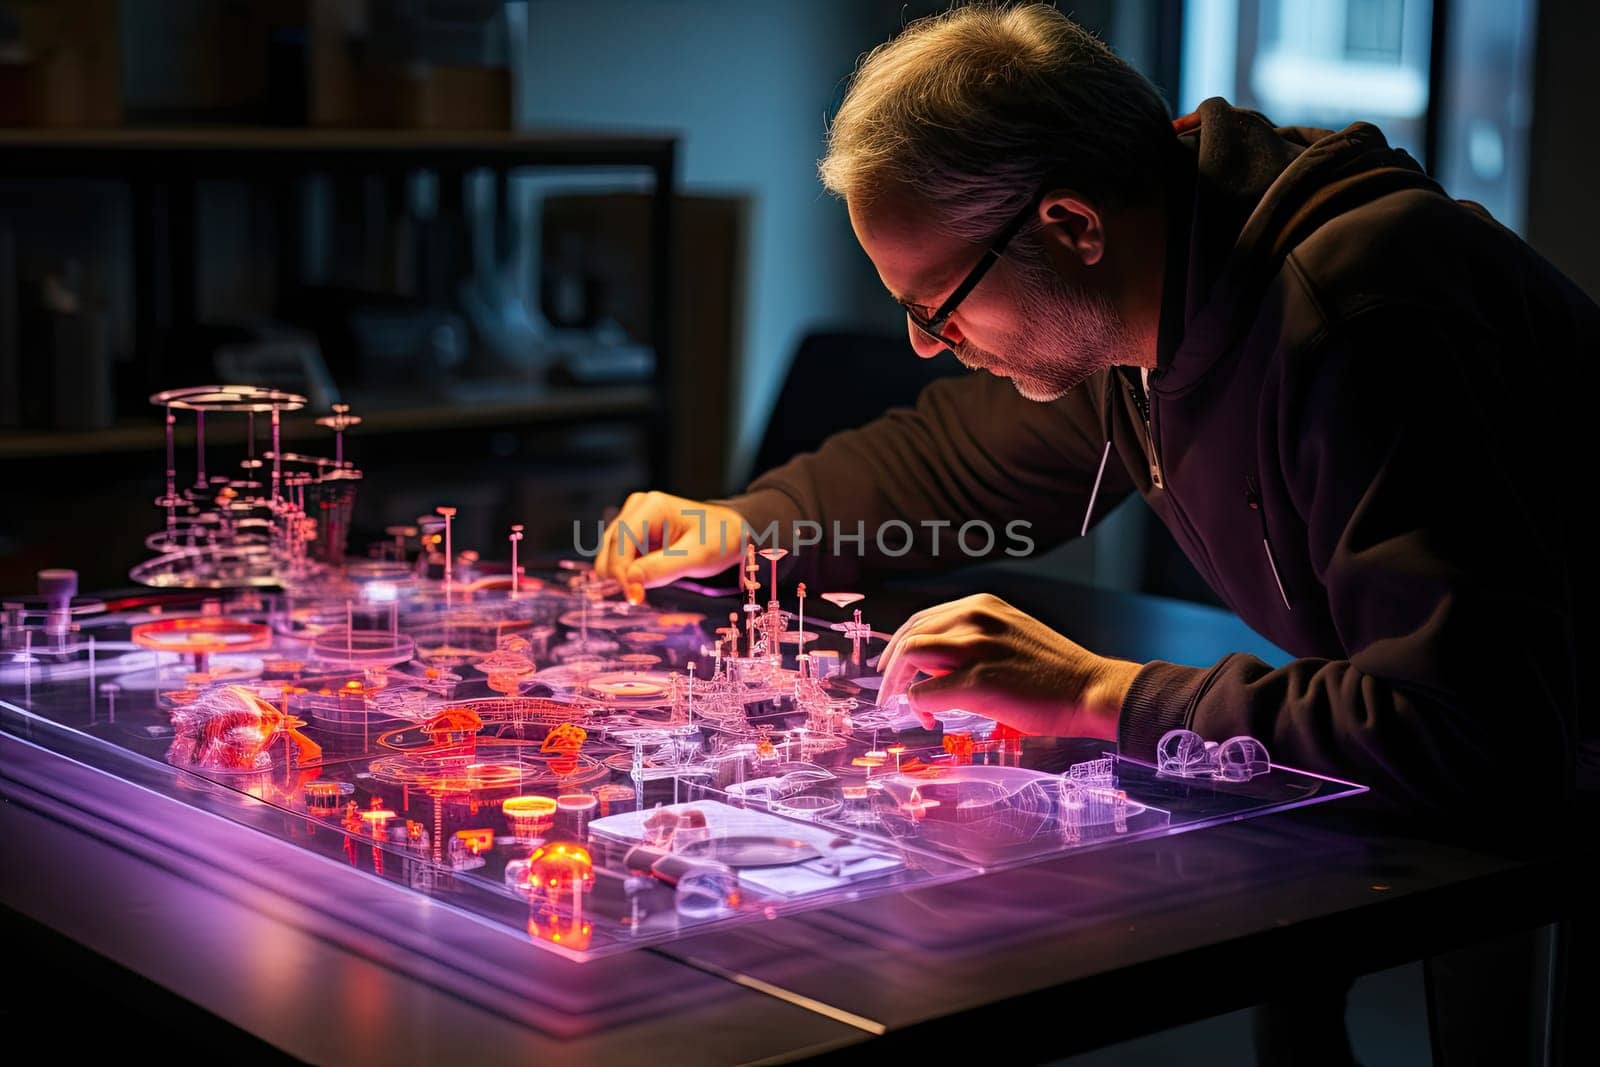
(1142, 402)
(1201, 556)
(1252, 497)
(1094, 494)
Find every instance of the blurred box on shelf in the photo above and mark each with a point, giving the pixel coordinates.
(411, 65)
(60, 63)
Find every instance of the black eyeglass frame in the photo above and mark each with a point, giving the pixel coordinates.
(933, 325)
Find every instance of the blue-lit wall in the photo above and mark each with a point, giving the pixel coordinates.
(746, 86)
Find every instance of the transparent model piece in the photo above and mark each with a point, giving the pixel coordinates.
(1185, 754)
(268, 518)
(613, 801)
(592, 774)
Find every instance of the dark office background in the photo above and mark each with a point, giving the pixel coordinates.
(494, 324)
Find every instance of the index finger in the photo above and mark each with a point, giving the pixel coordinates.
(927, 653)
(912, 625)
(602, 561)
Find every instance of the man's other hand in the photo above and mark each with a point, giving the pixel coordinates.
(983, 655)
(657, 538)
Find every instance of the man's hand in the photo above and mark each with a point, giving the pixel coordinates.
(984, 655)
(657, 538)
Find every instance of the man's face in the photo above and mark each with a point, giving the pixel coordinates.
(1023, 321)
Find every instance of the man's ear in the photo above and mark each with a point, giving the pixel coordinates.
(1072, 224)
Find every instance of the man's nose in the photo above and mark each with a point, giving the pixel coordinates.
(928, 347)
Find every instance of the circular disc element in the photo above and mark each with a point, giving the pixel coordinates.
(630, 687)
(604, 616)
(362, 648)
(201, 634)
(240, 398)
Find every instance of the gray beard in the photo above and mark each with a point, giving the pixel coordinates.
(1070, 335)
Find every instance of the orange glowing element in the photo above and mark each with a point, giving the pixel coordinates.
(508, 684)
(1002, 732)
(681, 620)
(453, 724)
(282, 722)
(764, 747)
(568, 738)
(564, 742)
(959, 745)
(855, 792)
(915, 768)
(413, 831)
(528, 815)
(477, 841)
(559, 874)
(322, 798)
(895, 749)
(242, 726)
(529, 806)
(376, 819)
(547, 924)
(559, 867)
(201, 634)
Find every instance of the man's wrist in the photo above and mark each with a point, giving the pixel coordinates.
(1105, 695)
(760, 509)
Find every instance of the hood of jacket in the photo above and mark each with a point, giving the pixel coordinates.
(1250, 193)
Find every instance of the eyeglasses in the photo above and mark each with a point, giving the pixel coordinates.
(932, 326)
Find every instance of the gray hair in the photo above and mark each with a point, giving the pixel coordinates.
(975, 109)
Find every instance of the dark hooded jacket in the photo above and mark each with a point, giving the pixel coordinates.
(1361, 431)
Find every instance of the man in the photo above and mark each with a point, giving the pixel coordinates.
(1348, 396)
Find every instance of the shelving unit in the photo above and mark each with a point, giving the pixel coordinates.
(503, 438)
(163, 166)
(546, 406)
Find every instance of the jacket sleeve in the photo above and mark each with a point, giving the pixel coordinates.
(899, 493)
(1446, 578)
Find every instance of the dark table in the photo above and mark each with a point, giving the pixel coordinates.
(330, 965)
